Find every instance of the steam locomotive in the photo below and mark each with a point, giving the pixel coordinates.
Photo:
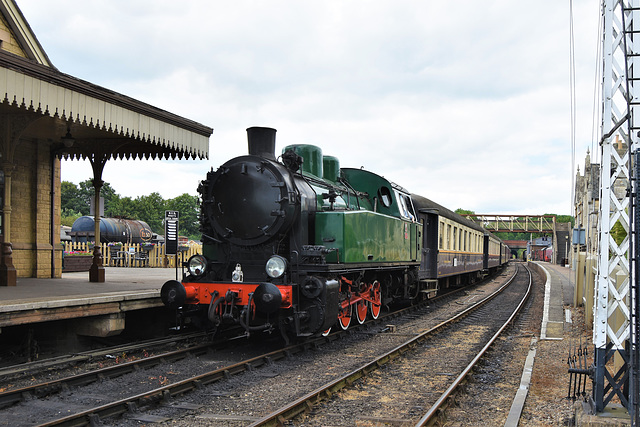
(300, 245)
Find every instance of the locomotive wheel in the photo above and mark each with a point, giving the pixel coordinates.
(361, 311)
(327, 332)
(344, 318)
(376, 306)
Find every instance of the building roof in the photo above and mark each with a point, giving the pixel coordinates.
(94, 113)
(25, 39)
(102, 122)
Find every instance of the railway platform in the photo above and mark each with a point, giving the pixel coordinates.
(558, 294)
(559, 332)
(101, 305)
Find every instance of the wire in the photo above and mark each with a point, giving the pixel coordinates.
(597, 91)
(572, 85)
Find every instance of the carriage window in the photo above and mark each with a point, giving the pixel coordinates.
(384, 194)
(455, 238)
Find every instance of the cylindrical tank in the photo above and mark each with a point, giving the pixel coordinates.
(312, 156)
(331, 168)
(112, 230)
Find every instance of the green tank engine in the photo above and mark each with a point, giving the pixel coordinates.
(297, 244)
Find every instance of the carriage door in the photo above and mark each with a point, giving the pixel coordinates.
(485, 251)
(429, 262)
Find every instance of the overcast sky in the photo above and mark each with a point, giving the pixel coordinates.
(466, 103)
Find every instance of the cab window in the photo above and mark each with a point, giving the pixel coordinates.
(384, 194)
(405, 206)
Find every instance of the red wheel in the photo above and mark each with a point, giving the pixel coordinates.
(327, 332)
(344, 318)
(376, 306)
(361, 311)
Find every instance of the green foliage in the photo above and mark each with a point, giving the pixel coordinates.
(150, 209)
(86, 192)
(461, 211)
(618, 233)
(68, 217)
(519, 236)
(72, 199)
(121, 207)
(189, 208)
(561, 219)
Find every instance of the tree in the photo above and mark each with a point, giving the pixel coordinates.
(561, 219)
(72, 200)
(86, 192)
(121, 207)
(618, 233)
(461, 211)
(69, 217)
(189, 208)
(150, 209)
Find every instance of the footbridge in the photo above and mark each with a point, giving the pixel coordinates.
(515, 223)
(544, 224)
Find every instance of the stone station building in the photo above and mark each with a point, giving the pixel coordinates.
(46, 115)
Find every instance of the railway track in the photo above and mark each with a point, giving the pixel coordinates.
(173, 388)
(395, 387)
(13, 372)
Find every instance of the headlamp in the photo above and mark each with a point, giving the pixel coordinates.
(276, 266)
(197, 265)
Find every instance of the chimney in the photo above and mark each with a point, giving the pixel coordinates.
(262, 142)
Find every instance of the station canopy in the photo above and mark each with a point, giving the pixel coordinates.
(84, 121)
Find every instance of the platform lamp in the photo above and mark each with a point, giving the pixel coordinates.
(68, 140)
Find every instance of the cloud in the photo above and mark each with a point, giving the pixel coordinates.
(465, 103)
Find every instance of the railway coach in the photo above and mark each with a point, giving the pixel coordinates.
(455, 251)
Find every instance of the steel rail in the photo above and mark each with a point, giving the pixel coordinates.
(10, 397)
(92, 354)
(164, 393)
(306, 402)
(435, 409)
(171, 390)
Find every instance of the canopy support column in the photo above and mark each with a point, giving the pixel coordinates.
(96, 271)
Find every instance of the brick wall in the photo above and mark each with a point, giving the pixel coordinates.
(7, 40)
(31, 211)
